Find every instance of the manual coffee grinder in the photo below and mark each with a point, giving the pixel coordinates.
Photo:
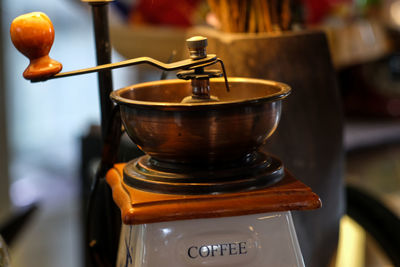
(203, 194)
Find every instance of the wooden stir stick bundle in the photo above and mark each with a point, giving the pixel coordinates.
(252, 15)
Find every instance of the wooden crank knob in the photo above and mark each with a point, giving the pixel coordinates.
(33, 35)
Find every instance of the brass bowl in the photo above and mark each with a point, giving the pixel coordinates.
(203, 133)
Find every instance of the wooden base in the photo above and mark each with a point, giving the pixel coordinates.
(139, 207)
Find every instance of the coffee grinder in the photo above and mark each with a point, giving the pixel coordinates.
(203, 194)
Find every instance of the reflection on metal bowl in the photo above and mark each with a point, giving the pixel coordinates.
(201, 133)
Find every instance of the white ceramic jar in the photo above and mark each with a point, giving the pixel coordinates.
(267, 239)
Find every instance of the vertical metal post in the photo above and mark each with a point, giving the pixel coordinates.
(103, 56)
(103, 220)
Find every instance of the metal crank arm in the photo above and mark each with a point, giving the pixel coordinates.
(183, 64)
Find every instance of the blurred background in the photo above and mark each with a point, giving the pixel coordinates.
(44, 126)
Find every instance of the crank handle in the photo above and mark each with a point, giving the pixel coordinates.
(183, 64)
(33, 35)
